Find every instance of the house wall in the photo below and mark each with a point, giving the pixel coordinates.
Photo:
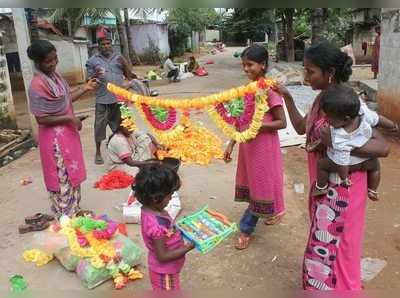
(157, 33)
(212, 34)
(72, 56)
(389, 71)
(7, 110)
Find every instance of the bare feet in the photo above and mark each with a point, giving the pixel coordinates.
(243, 242)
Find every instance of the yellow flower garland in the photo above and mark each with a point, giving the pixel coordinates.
(196, 144)
(208, 102)
(37, 256)
(164, 137)
(252, 131)
(184, 104)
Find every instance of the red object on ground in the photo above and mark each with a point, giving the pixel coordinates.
(210, 62)
(201, 71)
(122, 229)
(114, 180)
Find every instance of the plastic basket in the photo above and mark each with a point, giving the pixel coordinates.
(206, 229)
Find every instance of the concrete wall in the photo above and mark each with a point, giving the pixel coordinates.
(389, 70)
(9, 38)
(212, 34)
(195, 41)
(157, 33)
(72, 56)
(7, 111)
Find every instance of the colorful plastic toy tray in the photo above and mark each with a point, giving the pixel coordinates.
(206, 228)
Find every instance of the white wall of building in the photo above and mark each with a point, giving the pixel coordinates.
(157, 33)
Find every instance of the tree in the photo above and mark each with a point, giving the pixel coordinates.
(318, 24)
(335, 24)
(131, 51)
(248, 23)
(185, 20)
(286, 16)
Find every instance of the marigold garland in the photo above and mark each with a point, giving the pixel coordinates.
(127, 118)
(195, 144)
(167, 124)
(185, 104)
(100, 254)
(254, 126)
(213, 103)
(163, 136)
(244, 117)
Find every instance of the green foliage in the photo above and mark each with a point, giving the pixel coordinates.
(185, 20)
(302, 22)
(247, 23)
(339, 22)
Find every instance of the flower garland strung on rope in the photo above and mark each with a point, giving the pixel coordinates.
(185, 104)
(163, 136)
(246, 105)
(240, 111)
(195, 144)
(229, 125)
(159, 117)
(128, 120)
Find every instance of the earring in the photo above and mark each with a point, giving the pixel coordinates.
(330, 80)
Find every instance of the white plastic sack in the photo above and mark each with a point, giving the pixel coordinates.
(131, 213)
(185, 75)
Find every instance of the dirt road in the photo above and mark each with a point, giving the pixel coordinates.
(274, 257)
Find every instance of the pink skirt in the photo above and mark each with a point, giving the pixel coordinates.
(164, 281)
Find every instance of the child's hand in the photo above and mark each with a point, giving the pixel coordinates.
(190, 246)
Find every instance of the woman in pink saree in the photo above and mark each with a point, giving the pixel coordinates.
(59, 141)
(333, 252)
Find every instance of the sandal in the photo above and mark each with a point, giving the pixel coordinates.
(373, 195)
(242, 242)
(39, 226)
(319, 191)
(38, 217)
(273, 220)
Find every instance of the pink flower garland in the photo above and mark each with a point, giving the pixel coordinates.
(245, 118)
(168, 124)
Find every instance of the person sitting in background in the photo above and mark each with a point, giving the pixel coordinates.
(129, 151)
(171, 69)
(193, 65)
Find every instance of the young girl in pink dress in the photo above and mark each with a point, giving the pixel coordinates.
(154, 187)
(259, 177)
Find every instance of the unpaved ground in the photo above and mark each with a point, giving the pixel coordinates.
(223, 268)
